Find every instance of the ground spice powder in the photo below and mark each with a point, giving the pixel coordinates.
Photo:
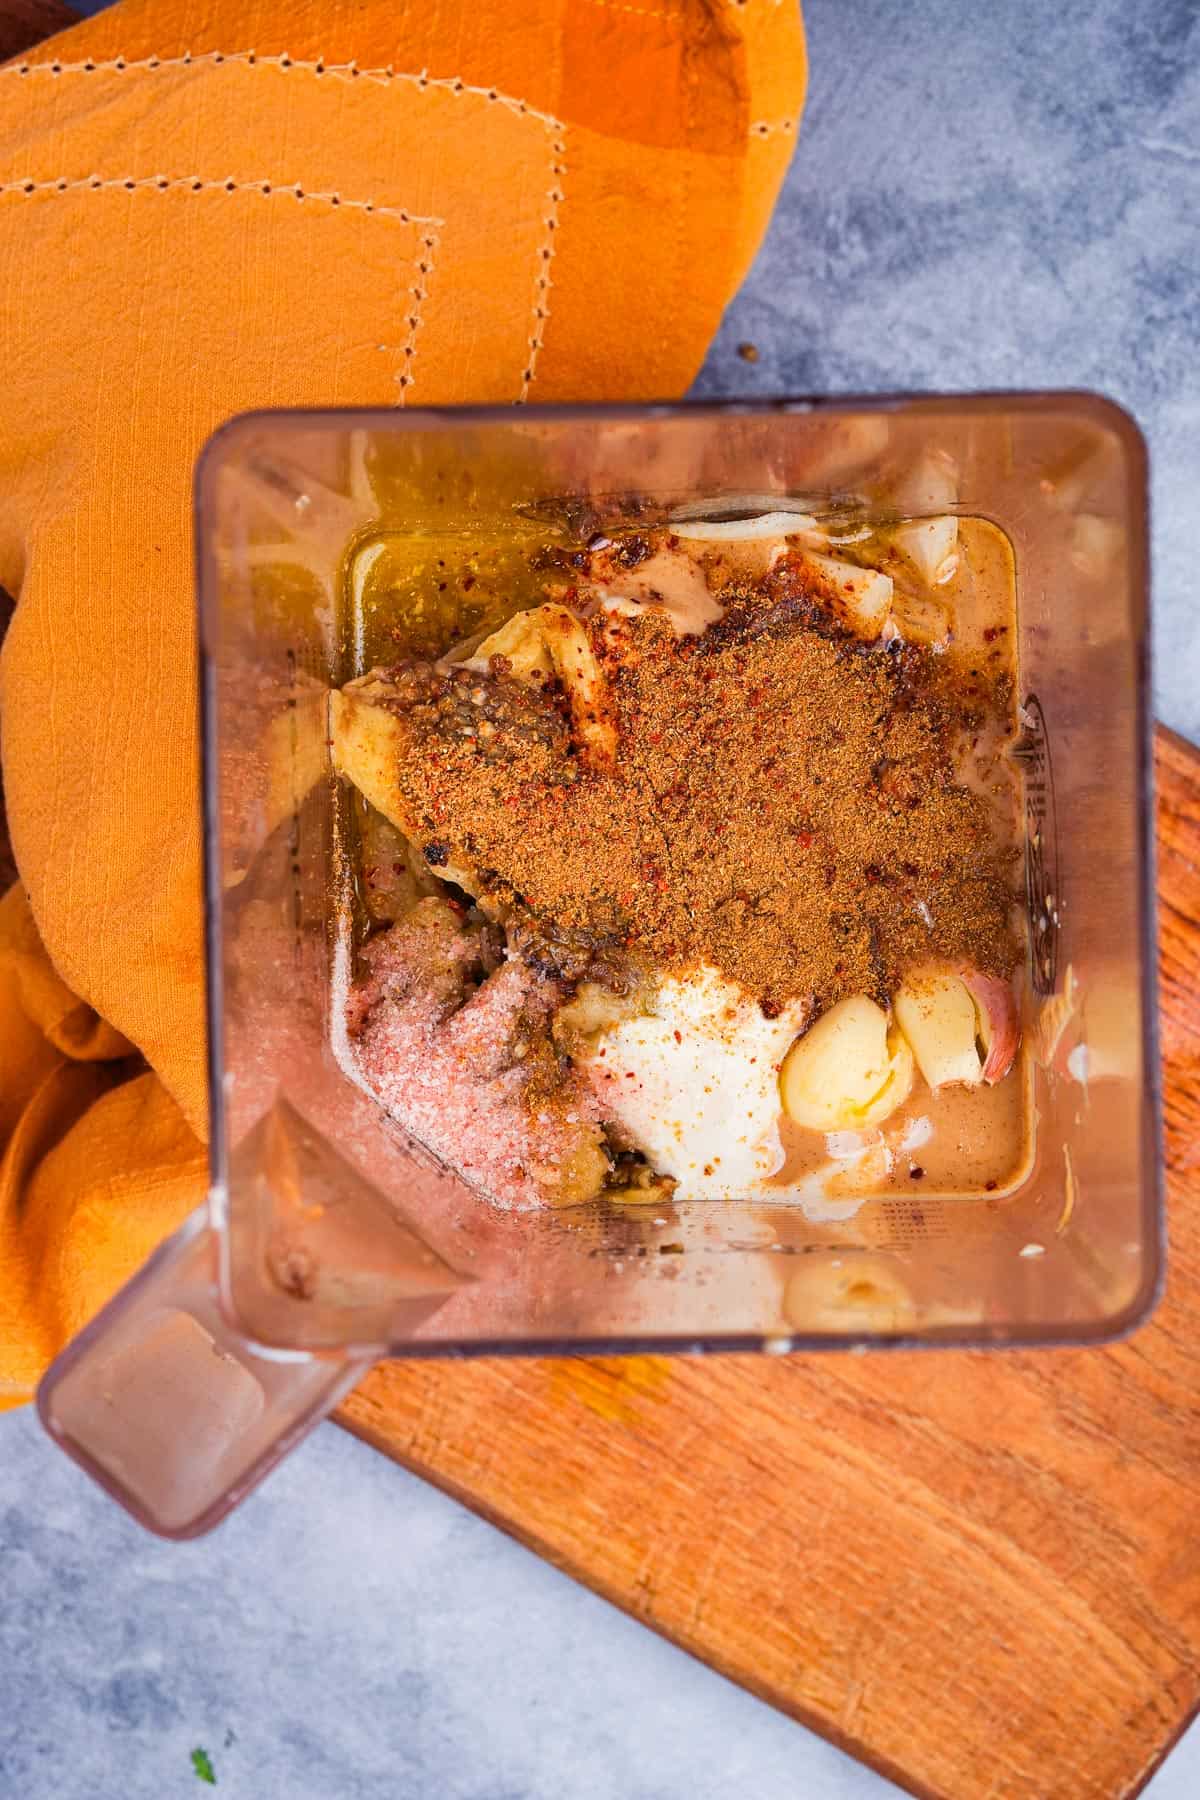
(809, 814)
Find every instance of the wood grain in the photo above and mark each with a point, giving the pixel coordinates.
(978, 1572)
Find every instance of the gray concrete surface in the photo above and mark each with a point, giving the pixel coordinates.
(983, 196)
(993, 197)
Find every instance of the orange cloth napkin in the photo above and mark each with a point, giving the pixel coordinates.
(206, 207)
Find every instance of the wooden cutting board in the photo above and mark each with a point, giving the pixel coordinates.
(978, 1572)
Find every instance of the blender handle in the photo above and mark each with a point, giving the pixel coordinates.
(168, 1407)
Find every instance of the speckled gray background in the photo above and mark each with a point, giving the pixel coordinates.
(1000, 196)
(983, 196)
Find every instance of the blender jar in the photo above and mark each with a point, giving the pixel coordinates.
(331, 1239)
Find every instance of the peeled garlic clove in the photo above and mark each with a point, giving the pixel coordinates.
(368, 742)
(929, 545)
(861, 599)
(550, 640)
(847, 1293)
(1096, 545)
(938, 1017)
(928, 485)
(583, 680)
(997, 1024)
(847, 1070)
(522, 642)
(920, 621)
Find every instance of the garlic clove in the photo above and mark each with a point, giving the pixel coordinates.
(670, 581)
(588, 697)
(550, 640)
(841, 1293)
(928, 545)
(937, 1015)
(928, 485)
(522, 642)
(861, 599)
(920, 621)
(847, 1071)
(367, 744)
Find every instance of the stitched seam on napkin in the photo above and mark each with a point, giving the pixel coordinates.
(420, 293)
(453, 84)
(349, 71)
(543, 283)
(195, 184)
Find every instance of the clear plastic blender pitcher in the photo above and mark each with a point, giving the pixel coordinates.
(330, 1239)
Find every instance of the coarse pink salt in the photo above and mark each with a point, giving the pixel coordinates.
(458, 1076)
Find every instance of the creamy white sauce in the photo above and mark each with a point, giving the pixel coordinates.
(694, 1084)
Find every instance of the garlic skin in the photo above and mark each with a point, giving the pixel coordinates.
(999, 1022)
(747, 531)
